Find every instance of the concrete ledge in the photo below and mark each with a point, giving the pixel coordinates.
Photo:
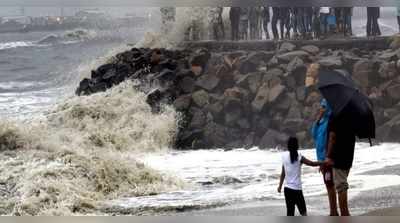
(378, 43)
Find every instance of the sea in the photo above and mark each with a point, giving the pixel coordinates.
(37, 76)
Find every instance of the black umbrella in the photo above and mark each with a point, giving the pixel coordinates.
(343, 96)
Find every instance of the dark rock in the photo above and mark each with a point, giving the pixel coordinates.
(274, 72)
(104, 68)
(166, 75)
(259, 57)
(98, 87)
(153, 99)
(301, 93)
(249, 141)
(287, 47)
(273, 138)
(295, 63)
(313, 97)
(287, 57)
(390, 131)
(362, 70)
(261, 98)
(388, 70)
(183, 102)
(266, 94)
(273, 62)
(311, 49)
(247, 66)
(200, 98)
(186, 138)
(394, 91)
(208, 82)
(388, 55)
(275, 92)
(200, 58)
(285, 102)
(243, 123)
(331, 62)
(198, 120)
(215, 135)
(215, 108)
(187, 84)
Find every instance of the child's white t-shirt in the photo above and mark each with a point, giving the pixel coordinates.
(292, 172)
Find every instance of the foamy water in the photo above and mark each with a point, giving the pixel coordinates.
(257, 172)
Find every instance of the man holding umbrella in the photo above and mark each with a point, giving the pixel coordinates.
(352, 116)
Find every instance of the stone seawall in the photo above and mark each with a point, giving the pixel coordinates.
(248, 94)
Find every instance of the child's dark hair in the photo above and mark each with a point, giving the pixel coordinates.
(293, 146)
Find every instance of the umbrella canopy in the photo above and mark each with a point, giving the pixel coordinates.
(343, 96)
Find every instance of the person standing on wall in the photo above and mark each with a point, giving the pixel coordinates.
(266, 20)
(347, 27)
(323, 15)
(274, 22)
(398, 13)
(373, 14)
(234, 16)
(244, 23)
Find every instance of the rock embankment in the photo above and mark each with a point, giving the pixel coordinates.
(241, 98)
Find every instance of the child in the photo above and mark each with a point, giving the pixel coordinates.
(291, 174)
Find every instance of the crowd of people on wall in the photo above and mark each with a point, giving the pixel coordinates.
(254, 23)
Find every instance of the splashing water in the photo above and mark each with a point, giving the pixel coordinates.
(84, 152)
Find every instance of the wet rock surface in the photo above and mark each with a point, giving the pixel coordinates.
(251, 98)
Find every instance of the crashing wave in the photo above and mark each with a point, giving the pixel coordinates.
(84, 152)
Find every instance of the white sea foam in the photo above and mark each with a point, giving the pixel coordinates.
(82, 152)
(12, 45)
(258, 170)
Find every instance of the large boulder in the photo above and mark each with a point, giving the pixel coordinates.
(198, 119)
(394, 91)
(286, 47)
(261, 98)
(208, 82)
(287, 57)
(273, 139)
(390, 131)
(183, 102)
(362, 71)
(310, 49)
(200, 98)
(388, 70)
(187, 85)
(215, 135)
(200, 57)
(266, 95)
(331, 62)
(294, 64)
(389, 55)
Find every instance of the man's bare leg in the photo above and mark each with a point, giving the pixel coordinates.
(332, 200)
(343, 204)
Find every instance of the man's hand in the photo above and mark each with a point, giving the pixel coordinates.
(279, 189)
(328, 163)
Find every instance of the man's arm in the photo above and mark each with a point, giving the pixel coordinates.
(281, 180)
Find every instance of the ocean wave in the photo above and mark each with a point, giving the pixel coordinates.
(15, 85)
(84, 151)
(12, 45)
